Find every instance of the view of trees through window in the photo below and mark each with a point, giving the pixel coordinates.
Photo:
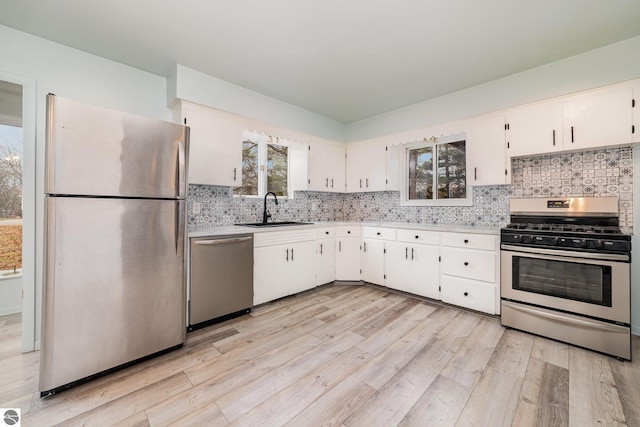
(442, 167)
(261, 176)
(11, 143)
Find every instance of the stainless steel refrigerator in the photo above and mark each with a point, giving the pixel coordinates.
(114, 262)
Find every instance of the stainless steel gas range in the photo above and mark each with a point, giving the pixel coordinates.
(565, 272)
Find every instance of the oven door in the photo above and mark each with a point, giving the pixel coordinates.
(575, 282)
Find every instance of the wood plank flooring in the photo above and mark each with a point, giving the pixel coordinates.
(342, 354)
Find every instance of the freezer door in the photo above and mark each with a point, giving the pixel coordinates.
(114, 284)
(99, 152)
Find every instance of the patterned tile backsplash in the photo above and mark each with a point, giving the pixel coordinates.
(589, 173)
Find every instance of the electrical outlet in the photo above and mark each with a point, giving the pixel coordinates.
(314, 205)
(196, 207)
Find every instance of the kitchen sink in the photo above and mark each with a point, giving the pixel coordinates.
(273, 224)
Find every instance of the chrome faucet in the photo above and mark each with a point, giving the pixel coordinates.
(265, 214)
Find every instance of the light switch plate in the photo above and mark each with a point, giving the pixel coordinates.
(196, 207)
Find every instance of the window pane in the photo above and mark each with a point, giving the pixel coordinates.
(11, 158)
(452, 171)
(421, 173)
(277, 157)
(249, 169)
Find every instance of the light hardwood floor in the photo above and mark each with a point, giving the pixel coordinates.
(355, 355)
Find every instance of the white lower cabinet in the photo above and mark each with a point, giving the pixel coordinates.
(472, 294)
(413, 268)
(373, 261)
(284, 264)
(470, 272)
(326, 256)
(348, 242)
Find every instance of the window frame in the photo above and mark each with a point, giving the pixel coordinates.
(434, 142)
(263, 141)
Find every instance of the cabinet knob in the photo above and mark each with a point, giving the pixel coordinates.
(378, 233)
(466, 263)
(466, 294)
(348, 231)
(326, 232)
(466, 241)
(417, 237)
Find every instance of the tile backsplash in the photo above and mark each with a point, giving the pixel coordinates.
(597, 173)
(588, 173)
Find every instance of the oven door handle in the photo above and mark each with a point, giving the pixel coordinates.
(584, 255)
(564, 319)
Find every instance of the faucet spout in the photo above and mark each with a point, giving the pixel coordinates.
(265, 213)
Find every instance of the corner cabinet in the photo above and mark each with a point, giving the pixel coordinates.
(326, 255)
(348, 252)
(215, 145)
(284, 263)
(367, 166)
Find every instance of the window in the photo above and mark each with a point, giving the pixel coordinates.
(436, 172)
(265, 166)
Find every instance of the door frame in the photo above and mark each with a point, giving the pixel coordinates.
(28, 208)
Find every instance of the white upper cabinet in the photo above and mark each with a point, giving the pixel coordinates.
(367, 166)
(215, 145)
(598, 118)
(486, 158)
(326, 166)
(534, 129)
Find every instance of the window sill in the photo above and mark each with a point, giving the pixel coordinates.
(438, 203)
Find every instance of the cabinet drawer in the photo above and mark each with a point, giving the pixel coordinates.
(326, 232)
(419, 236)
(348, 231)
(268, 238)
(470, 240)
(379, 233)
(472, 294)
(469, 263)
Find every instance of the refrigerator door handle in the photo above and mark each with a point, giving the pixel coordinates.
(179, 228)
(181, 168)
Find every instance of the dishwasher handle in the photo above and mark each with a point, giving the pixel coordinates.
(222, 241)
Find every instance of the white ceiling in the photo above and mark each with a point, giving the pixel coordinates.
(344, 59)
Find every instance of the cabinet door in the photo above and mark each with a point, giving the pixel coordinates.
(486, 157)
(413, 268)
(215, 146)
(366, 166)
(348, 258)
(302, 266)
(535, 129)
(598, 118)
(326, 167)
(326, 255)
(373, 261)
(270, 273)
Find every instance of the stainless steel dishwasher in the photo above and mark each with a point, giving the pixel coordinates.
(221, 272)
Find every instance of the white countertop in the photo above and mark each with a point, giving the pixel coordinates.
(238, 229)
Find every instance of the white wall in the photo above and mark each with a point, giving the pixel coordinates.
(192, 85)
(611, 64)
(70, 73)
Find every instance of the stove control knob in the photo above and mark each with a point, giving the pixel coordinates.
(579, 243)
(599, 244)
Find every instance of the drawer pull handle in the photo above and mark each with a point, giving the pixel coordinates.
(466, 263)
(349, 232)
(378, 233)
(326, 232)
(466, 294)
(417, 237)
(466, 241)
